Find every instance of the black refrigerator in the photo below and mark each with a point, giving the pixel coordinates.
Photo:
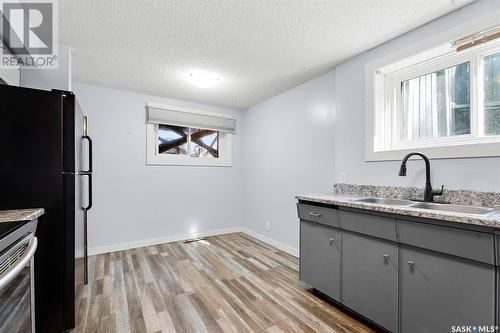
(46, 162)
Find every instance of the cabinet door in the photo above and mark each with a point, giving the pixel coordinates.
(440, 291)
(370, 278)
(320, 257)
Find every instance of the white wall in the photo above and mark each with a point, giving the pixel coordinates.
(349, 127)
(134, 202)
(10, 75)
(288, 143)
(48, 79)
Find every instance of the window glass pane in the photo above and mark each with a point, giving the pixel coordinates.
(436, 104)
(172, 139)
(204, 143)
(491, 65)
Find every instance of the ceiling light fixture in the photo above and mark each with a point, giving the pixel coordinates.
(203, 79)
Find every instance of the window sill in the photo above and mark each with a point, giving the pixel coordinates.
(490, 149)
(187, 162)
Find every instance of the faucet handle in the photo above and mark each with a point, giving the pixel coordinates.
(439, 192)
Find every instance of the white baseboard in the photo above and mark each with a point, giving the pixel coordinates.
(270, 241)
(154, 241)
(176, 238)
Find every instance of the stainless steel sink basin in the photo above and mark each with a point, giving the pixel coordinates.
(388, 201)
(472, 210)
(456, 208)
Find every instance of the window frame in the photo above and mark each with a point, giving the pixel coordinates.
(154, 158)
(382, 126)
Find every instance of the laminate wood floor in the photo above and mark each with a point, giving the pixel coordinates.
(226, 283)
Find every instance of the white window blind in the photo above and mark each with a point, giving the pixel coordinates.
(191, 119)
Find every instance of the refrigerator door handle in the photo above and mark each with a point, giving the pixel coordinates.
(86, 137)
(85, 227)
(89, 204)
(88, 172)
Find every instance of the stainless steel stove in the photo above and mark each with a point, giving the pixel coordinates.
(17, 247)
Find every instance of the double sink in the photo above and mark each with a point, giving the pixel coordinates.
(462, 209)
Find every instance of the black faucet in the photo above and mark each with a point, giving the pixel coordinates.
(429, 193)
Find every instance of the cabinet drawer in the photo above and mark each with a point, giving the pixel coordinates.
(468, 244)
(323, 215)
(373, 225)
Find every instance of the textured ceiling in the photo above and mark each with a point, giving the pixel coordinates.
(259, 48)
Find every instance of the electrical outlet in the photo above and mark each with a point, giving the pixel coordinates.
(343, 177)
(268, 226)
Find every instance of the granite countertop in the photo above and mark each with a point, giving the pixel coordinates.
(20, 214)
(492, 220)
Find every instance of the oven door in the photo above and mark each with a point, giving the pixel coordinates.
(17, 313)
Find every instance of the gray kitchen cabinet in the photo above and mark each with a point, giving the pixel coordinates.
(370, 278)
(320, 257)
(438, 291)
(407, 275)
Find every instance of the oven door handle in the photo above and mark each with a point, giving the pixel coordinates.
(19, 266)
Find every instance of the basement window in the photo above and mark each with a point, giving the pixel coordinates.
(194, 142)
(188, 137)
(444, 101)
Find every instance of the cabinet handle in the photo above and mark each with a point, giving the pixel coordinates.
(386, 258)
(315, 214)
(332, 240)
(411, 263)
